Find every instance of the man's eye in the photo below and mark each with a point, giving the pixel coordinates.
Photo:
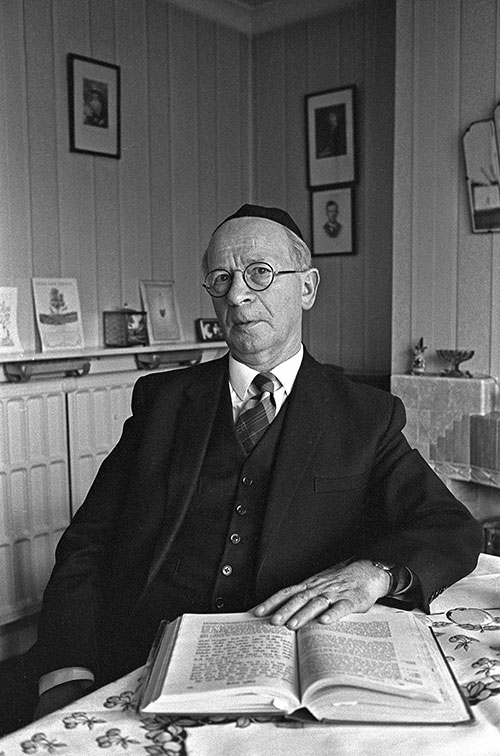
(221, 278)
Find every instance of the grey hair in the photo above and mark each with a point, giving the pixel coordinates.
(300, 254)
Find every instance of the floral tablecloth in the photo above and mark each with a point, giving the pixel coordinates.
(107, 719)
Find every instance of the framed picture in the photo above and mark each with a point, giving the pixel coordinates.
(208, 329)
(125, 328)
(159, 301)
(94, 106)
(9, 336)
(330, 137)
(332, 221)
(58, 314)
(483, 174)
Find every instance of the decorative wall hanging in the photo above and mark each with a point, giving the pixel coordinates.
(159, 301)
(330, 137)
(332, 221)
(94, 106)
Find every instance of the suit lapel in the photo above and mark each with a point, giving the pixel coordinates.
(302, 431)
(194, 425)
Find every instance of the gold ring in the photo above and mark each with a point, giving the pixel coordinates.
(330, 602)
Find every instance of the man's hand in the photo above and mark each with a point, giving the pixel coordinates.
(58, 697)
(327, 596)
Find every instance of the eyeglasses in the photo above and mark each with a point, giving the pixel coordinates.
(257, 276)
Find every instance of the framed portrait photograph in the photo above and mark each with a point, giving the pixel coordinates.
(330, 137)
(162, 315)
(332, 221)
(208, 329)
(94, 106)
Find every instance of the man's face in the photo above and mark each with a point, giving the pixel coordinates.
(332, 212)
(262, 328)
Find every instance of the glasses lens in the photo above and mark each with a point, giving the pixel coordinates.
(258, 276)
(218, 282)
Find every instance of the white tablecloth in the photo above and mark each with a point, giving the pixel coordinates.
(106, 719)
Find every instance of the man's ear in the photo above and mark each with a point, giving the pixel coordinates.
(310, 283)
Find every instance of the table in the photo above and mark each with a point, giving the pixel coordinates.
(106, 719)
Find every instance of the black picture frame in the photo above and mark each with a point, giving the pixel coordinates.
(330, 131)
(93, 106)
(332, 221)
(208, 329)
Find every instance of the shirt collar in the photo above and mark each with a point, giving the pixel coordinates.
(241, 375)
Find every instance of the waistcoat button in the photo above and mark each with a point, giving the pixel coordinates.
(241, 510)
(219, 602)
(226, 570)
(235, 538)
(246, 480)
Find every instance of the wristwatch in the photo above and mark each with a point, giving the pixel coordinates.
(393, 571)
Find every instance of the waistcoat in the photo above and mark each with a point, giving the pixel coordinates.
(211, 564)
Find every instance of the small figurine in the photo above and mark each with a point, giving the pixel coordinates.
(418, 362)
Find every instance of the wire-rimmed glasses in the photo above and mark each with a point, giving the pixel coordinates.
(258, 276)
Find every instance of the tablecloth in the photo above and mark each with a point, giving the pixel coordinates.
(107, 719)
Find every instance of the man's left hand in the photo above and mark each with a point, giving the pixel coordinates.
(327, 596)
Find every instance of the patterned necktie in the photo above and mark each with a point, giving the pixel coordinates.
(258, 413)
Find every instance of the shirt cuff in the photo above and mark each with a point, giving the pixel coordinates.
(68, 674)
(405, 581)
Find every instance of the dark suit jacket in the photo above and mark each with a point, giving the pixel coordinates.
(345, 482)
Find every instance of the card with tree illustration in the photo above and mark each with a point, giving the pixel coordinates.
(58, 314)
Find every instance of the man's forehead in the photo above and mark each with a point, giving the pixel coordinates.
(249, 235)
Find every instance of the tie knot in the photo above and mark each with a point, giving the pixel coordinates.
(264, 382)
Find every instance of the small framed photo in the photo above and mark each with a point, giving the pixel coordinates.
(125, 328)
(330, 137)
(160, 304)
(208, 329)
(94, 106)
(332, 221)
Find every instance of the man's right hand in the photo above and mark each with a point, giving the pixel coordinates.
(58, 697)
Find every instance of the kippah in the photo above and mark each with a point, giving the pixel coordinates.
(270, 213)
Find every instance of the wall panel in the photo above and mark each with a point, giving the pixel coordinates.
(110, 223)
(350, 323)
(446, 277)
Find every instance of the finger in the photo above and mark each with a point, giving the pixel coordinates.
(278, 599)
(339, 609)
(315, 607)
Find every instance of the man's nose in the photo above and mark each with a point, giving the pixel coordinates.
(239, 291)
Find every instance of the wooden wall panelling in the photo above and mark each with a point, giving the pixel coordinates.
(42, 149)
(106, 181)
(479, 46)
(135, 207)
(403, 216)
(75, 171)
(495, 273)
(15, 229)
(160, 190)
(443, 25)
(374, 193)
(185, 178)
(325, 325)
(207, 154)
(269, 121)
(355, 63)
(230, 188)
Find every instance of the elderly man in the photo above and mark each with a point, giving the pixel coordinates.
(260, 480)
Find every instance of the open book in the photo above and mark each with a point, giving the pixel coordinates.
(382, 666)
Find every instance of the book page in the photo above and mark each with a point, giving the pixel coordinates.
(384, 653)
(229, 653)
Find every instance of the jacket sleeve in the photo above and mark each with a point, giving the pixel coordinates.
(414, 519)
(72, 604)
